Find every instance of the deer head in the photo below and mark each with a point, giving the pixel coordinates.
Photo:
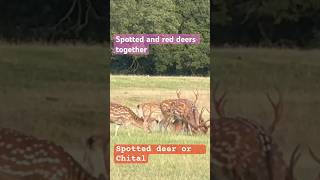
(204, 125)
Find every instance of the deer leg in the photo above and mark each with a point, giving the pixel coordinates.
(185, 127)
(189, 129)
(179, 125)
(166, 126)
(161, 126)
(117, 128)
(159, 122)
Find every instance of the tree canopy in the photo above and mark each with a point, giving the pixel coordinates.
(163, 17)
(54, 20)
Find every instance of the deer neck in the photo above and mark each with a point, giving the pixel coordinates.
(137, 121)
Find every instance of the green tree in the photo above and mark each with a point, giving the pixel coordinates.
(170, 17)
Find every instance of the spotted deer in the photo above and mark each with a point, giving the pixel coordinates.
(123, 116)
(145, 109)
(184, 125)
(180, 111)
(25, 157)
(244, 150)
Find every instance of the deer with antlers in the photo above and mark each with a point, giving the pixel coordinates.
(26, 157)
(186, 125)
(180, 111)
(244, 150)
(183, 114)
(123, 116)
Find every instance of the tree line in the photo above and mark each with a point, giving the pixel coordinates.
(54, 21)
(163, 17)
(271, 23)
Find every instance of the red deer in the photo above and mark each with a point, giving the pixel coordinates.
(26, 157)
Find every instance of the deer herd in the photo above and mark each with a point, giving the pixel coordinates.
(241, 149)
(180, 114)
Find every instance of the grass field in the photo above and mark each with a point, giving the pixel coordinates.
(58, 93)
(132, 90)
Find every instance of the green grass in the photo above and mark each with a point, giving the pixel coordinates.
(162, 166)
(132, 90)
(159, 83)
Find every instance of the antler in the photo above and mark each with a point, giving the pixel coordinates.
(314, 156)
(178, 91)
(196, 94)
(220, 102)
(295, 156)
(202, 122)
(277, 108)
